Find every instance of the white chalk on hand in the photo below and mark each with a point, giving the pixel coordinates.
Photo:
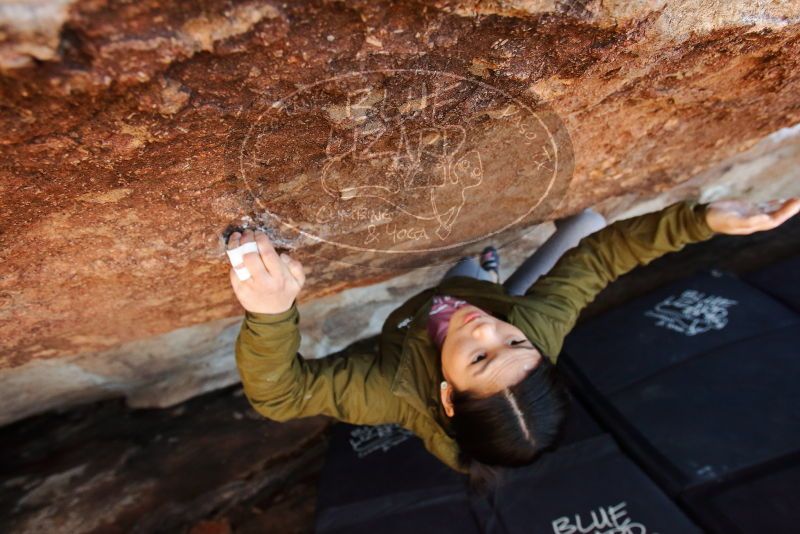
(236, 256)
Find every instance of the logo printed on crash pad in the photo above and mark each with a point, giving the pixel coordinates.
(692, 312)
(612, 519)
(368, 439)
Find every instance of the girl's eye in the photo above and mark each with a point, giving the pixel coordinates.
(478, 358)
(518, 341)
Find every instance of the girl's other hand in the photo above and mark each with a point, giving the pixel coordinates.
(739, 217)
(275, 280)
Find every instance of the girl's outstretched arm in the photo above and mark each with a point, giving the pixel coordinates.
(556, 299)
(277, 380)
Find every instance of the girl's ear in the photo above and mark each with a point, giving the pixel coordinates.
(446, 394)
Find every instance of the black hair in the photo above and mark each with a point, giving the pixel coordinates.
(510, 428)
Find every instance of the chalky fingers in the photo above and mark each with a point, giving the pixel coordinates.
(252, 259)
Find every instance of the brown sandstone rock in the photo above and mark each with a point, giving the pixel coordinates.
(121, 125)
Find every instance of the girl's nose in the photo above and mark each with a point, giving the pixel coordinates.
(484, 330)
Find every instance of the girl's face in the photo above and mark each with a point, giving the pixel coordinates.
(484, 355)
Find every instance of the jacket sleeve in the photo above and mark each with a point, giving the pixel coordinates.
(554, 302)
(280, 384)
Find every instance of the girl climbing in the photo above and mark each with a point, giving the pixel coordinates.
(467, 365)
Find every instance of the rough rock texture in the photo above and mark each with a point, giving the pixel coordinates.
(104, 468)
(133, 134)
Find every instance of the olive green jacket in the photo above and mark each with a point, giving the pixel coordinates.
(400, 384)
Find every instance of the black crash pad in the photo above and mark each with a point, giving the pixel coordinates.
(781, 280)
(668, 326)
(768, 502)
(731, 409)
(405, 489)
(432, 512)
(381, 479)
(586, 487)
